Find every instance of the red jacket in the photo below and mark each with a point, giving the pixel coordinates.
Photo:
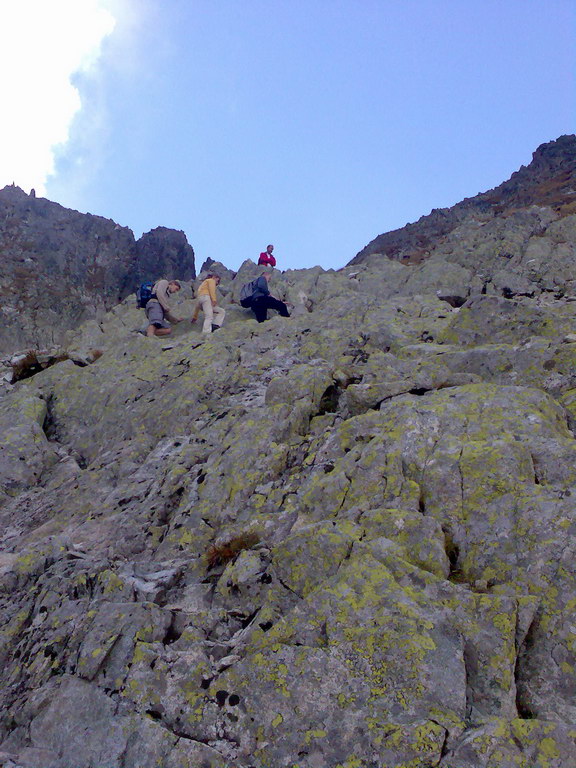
(267, 259)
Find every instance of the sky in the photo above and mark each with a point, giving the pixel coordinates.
(315, 125)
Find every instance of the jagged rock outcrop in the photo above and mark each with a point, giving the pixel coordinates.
(344, 539)
(164, 252)
(546, 188)
(61, 267)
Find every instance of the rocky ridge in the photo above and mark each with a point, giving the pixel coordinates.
(549, 181)
(61, 267)
(343, 540)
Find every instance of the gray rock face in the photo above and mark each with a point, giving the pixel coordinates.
(346, 539)
(61, 267)
(547, 182)
(340, 539)
(165, 253)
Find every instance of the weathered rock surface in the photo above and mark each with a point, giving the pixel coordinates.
(61, 267)
(163, 252)
(346, 539)
(497, 226)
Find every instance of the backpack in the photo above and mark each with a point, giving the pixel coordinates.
(144, 294)
(246, 293)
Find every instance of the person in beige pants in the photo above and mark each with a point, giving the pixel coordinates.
(213, 314)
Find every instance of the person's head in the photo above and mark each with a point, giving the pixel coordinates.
(212, 276)
(174, 286)
(269, 248)
(266, 275)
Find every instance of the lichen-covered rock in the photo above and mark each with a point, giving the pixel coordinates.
(344, 539)
(25, 451)
(514, 743)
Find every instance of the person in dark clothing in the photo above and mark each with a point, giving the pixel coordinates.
(262, 300)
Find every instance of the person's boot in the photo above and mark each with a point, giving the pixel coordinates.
(215, 327)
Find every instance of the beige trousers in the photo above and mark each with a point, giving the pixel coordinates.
(212, 314)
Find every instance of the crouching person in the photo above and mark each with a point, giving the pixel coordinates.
(262, 300)
(213, 314)
(158, 308)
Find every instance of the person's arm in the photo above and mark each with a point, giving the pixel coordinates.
(163, 299)
(161, 292)
(198, 306)
(272, 261)
(212, 291)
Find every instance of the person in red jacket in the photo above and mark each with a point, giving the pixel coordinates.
(266, 257)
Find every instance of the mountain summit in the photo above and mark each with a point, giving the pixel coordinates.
(549, 181)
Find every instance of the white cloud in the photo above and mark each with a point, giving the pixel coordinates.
(42, 46)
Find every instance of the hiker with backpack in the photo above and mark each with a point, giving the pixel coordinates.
(213, 314)
(257, 297)
(266, 259)
(157, 306)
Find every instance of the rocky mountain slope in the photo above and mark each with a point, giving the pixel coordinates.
(61, 267)
(549, 181)
(345, 539)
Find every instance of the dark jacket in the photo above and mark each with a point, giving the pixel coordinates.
(261, 288)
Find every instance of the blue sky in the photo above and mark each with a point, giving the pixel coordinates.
(312, 125)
